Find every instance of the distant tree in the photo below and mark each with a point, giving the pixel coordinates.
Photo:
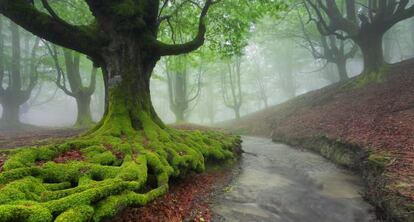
(180, 91)
(210, 103)
(330, 48)
(231, 85)
(76, 88)
(376, 17)
(13, 93)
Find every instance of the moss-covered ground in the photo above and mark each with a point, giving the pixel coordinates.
(114, 171)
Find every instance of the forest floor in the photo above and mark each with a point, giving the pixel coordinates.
(378, 118)
(188, 198)
(39, 136)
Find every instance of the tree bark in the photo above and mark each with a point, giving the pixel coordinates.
(372, 51)
(10, 118)
(341, 66)
(81, 94)
(130, 109)
(84, 117)
(237, 113)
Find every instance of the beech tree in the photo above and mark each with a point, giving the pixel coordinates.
(123, 41)
(231, 86)
(180, 91)
(365, 22)
(13, 92)
(82, 94)
(130, 155)
(330, 48)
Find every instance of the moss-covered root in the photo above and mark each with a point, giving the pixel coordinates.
(114, 172)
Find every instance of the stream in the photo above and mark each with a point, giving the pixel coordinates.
(280, 183)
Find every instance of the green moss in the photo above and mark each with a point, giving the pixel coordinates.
(30, 212)
(367, 78)
(122, 167)
(76, 214)
(379, 160)
(101, 185)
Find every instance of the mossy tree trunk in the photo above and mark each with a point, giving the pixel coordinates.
(129, 101)
(371, 46)
(84, 117)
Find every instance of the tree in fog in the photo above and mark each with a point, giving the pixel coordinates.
(375, 18)
(231, 85)
(18, 77)
(329, 48)
(76, 89)
(127, 59)
(182, 89)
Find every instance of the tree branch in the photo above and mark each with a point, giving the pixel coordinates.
(46, 26)
(60, 73)
(164, 49)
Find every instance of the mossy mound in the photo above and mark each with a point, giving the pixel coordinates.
(115, 171)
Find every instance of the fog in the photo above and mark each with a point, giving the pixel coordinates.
(275, 65)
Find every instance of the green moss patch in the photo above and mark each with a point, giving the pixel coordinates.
(368, 78)
(114, 171)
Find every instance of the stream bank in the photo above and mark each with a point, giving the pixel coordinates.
(368, 128)
(280, 183)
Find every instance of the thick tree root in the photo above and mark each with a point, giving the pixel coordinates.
(116, 171)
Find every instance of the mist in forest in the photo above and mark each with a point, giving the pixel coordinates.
(49, 86)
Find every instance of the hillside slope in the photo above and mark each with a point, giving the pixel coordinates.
(369, 128)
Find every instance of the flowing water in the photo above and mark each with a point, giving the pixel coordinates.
(280, 183)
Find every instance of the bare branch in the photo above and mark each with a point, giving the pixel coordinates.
(60, 80)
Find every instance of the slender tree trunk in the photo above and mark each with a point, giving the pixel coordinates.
(341, 66)
(179, 116)
(237, 113)
(10, 118)
(372, 51)
(84, 117)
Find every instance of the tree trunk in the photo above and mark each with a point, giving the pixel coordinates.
(12, 97)
(10, 118)
(237, 113)
(179, 116)
(129, 102)
(84, 111)
(341, 66)
(266, 104)
(372, 51)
